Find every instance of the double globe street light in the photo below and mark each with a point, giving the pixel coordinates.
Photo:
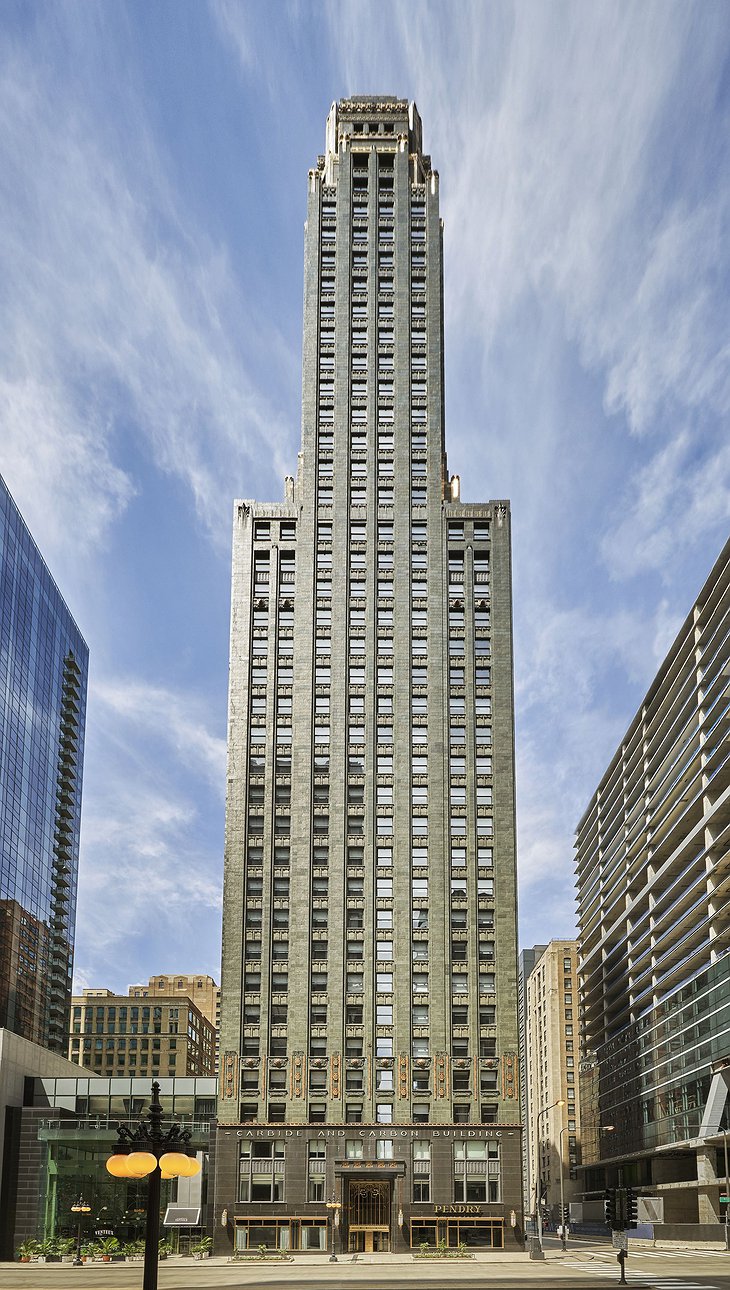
(82, 1208)
(148, 1152)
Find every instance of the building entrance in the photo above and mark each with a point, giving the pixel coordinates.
(368, 1216)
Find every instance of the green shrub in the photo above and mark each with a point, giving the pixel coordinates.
(28, 1249)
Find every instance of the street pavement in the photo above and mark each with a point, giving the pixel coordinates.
(584, 1266)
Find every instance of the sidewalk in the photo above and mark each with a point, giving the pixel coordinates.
(362, 1260)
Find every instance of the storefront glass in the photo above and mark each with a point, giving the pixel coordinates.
(281, 1233)
(474, 1233)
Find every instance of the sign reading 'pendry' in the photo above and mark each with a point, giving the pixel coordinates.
(457, 1209)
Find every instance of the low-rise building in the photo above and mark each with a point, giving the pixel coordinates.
(68, 1130)
(144, 1037)
(20, 1062)
(201, 989)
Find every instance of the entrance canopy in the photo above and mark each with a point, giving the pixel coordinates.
(179, 1216)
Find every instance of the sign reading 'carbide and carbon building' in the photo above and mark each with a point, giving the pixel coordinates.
(369, 1033)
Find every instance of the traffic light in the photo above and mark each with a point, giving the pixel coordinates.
(566, 1213)
(609, 1207)
(632, 1208)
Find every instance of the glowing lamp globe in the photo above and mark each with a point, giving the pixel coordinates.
(175, 1164)
(140, 1163)
(117, 1166)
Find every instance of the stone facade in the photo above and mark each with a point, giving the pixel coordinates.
(20, 1062)
(139, 1035)
(369, 931)
(550, 1072)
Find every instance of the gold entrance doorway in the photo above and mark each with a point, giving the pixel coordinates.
(368, 1216)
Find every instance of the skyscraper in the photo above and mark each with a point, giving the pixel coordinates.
(369, 997)
(551, 1101)
(653, 877)
(43, 673)
(527, 960)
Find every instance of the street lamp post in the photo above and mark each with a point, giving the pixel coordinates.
(563, 1238)
(334, 1207)
(81, 1208)
(603, 1129)
(536, 1251)
(148, 1152)
(727, 1191)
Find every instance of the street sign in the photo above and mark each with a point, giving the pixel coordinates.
(620, 1240)
(650, 1209)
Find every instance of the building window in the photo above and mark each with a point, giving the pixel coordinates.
(261, 1171)
(422, 1171)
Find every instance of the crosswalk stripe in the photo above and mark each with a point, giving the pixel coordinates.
(675, 1254)
(597, 1267)
(607, 1256)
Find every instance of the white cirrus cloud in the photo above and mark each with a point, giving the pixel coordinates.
(175, 720)
(152, 826)
(123, 332)
(678, 500)
(145, 883)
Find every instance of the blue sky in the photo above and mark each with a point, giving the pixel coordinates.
(153, 166)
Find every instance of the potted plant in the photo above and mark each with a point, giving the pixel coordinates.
(65, 1248)
(133, 1251)
(202, 1248)
(47, 1250)
(164, 1249)
(107, 1246)
(27, 1250)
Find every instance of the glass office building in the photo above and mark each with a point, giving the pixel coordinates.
(653, 870)
(43, 677)
(369, 996)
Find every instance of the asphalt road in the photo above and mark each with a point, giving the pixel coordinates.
(337, 1279)
(585, 1266)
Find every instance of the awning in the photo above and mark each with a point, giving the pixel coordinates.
(179, 1216)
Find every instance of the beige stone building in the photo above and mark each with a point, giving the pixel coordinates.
(551, 1077)
(156, 1035)
(201, 990)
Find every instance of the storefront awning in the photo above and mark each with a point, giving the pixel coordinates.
(179, 1216)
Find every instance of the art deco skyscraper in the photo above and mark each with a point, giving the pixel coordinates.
(369, 957)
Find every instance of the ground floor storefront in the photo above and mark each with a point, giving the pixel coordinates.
(298, 1232)
(365, 1189)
